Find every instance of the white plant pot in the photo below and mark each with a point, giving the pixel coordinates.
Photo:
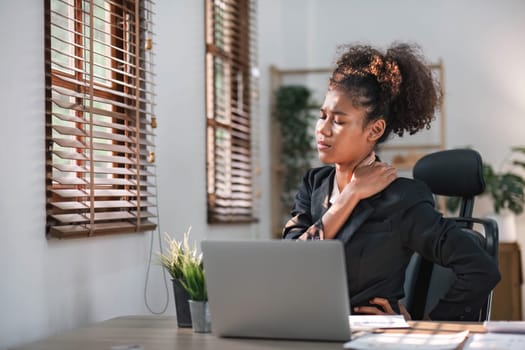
(506, 226)
(200, 316)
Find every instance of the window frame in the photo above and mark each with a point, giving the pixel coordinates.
(99, 138)
(230, 179)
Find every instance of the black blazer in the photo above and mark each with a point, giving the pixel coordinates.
(381, 235)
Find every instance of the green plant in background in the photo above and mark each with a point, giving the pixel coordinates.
(505, 188)
(293, 111)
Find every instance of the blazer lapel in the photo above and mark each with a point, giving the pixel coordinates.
(361, 212)
(320, 197)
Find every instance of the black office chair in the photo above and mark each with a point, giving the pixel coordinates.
(453, 173)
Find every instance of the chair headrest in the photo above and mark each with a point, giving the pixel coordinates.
(455, 173)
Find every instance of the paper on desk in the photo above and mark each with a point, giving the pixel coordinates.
(493, 341)
(505, 326)
(367, 322)
(407, 341)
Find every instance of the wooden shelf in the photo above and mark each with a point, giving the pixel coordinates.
(506, 303)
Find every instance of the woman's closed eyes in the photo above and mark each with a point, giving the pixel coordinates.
(336, 120)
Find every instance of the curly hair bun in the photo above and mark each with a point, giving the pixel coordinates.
(396, 85)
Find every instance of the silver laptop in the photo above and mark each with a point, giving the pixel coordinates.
(277, 289)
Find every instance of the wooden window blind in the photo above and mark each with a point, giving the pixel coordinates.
(229, 34)
(100, 170)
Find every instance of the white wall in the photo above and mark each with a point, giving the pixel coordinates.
(480, 42)
(49, 286)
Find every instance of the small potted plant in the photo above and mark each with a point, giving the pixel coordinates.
(195, 284)
(186, 269)
(178, 252)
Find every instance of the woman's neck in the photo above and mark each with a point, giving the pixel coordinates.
(343, 174)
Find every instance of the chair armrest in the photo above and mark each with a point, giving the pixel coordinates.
(490, 228)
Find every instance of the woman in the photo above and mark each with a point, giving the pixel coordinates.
(380, 218)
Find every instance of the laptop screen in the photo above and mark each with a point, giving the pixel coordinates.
(277, 289)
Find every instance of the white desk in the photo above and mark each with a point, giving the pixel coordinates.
(161, 333)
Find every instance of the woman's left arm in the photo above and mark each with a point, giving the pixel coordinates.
(443, 242)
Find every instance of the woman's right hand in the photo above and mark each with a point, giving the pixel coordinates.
(368, 178)
(371, 177)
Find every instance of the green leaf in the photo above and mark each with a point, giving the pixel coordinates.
(194, 281)
(507, 190)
